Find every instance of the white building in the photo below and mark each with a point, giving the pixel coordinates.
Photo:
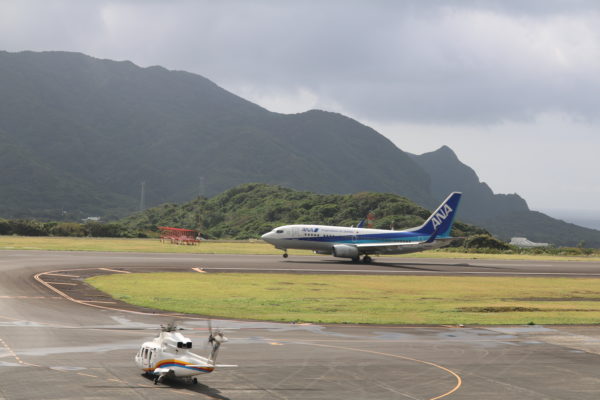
(524, 242)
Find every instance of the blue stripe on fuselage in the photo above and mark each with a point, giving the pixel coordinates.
(366, 238)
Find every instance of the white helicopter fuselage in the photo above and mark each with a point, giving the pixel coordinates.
(169, 355)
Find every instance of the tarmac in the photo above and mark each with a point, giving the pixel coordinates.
(60, 339)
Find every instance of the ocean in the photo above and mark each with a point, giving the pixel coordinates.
(587, 218)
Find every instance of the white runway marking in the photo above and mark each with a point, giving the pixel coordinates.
(477, 264)
(115, 270)
(411, 272)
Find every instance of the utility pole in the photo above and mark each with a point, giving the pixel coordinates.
(201, 187)
(143, 197)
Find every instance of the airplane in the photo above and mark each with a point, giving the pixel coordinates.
(353, 243)
(168, 355)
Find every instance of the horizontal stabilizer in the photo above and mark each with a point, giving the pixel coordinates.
(211, 366)
(433, 235)
(161, 371)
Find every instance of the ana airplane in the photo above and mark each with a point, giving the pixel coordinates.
(353, 243)
(169, 355)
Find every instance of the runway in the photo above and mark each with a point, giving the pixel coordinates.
(52, 347)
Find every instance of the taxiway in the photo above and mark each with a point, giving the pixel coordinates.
(72, 343)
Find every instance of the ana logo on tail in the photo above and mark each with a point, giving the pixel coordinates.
(441, 215)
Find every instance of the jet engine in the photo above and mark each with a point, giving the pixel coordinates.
(344, 250)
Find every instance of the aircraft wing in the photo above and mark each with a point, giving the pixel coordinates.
(402, 247)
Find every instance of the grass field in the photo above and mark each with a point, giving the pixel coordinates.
(364, 299)
(136, 245)
(219, 247)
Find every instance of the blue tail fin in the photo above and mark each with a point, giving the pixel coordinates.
(440, 222)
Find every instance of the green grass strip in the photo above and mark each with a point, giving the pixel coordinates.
(225, 247)
(363, 299)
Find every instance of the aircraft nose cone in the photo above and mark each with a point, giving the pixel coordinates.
(266, 236)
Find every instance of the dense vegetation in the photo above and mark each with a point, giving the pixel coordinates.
(24, 227)
(249, 210)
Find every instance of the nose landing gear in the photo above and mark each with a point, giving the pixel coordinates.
(285, 255)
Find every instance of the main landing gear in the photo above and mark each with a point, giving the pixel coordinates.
(366, 259)
(285, 255)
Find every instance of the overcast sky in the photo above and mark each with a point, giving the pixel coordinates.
(512, 86)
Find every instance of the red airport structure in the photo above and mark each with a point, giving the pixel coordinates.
(178, 235)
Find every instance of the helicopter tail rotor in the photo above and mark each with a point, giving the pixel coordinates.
(215, 338)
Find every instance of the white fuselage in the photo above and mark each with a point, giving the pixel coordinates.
(323, 237)
(350, 242)
(163, 353)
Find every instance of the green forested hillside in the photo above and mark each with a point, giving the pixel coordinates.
(247, 211)
(78, 136)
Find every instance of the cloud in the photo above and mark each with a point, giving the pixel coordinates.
(510, 85)
(474, 62)
(551, 162)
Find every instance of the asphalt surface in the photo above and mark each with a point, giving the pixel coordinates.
(61, 340)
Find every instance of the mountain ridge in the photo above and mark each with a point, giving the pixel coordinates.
(79, 135)
(117, 125)
(504, 215)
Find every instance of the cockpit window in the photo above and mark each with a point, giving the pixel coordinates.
(279, 231)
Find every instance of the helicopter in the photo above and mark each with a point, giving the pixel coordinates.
(168, 355)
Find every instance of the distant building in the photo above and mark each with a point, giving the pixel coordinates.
(91, 219)
(524, 242)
